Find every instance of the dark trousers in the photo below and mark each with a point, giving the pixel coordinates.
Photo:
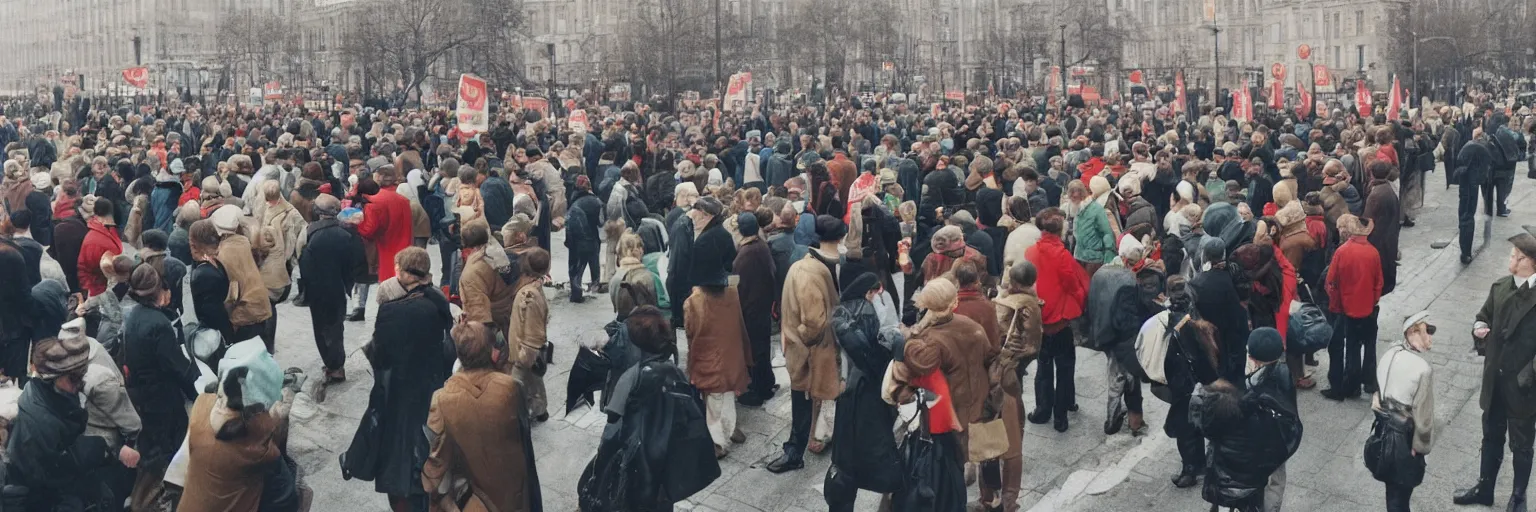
(1521, 431)
(909, 286)
(1191, 449)
(13, 358)
(759, 323)
(269, 327)
(1352, 354)
(448, 250)
(678, 290)
(580, 259)
(1466, 215)
(1496, 194)
(799, 425)
(1054, 389)
(327, 319)
(1397, 497)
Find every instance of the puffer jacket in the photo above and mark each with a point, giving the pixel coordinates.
(1250, 436)
(1095, 237)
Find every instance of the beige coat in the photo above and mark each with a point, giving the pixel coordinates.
(810, 347)
(247, 302)
(486, 298)
(281, 228)
(475, 418)
(530, 321)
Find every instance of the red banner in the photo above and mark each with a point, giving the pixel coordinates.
(1362, 98)
(539, 104)
(1180, 100)
(954, 95)
(1277, 96)
(1321, 78)
(1136, 78)
(473, 105)
(137, 77)
(1303, 110)
(1395, 101)
(273, 91)
(1242, 103)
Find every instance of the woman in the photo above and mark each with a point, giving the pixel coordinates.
(235, 459)
(868, 459)
(1018, 317)
(210, 283)
(480, 432)
(1093, 229)
(1192, 358)
(249, 303)
(410, 362)
(717, 333)
(160, 381)
(635, 282)
(1407, 387)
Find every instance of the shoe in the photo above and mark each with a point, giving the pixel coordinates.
(1112, 425)
(1516, 503)
(784, 463)
(602, 288)
(1407, 222)
(298, 301)
(1504, 213)
(1185, 479)
(541, 418)
(1136, 423)
(1480, 494)
(719, 452)
(1061, 424)
(816, 447)
(1305, 383)
(1466, 259)
(1339, 395)
(356, 316)
(1072, 408)
(1369, 387)
(738, 437)
(332, 377)
(751, 399)
(577, 299)
(1040, 416)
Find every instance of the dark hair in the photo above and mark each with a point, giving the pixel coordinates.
(21, 219)
(1022, 274)
(966, 273)
(1051, 220)
(203, 237)
(234, 399)
(536, 262)
(102, 208)
(155, 240)
(474, 341)
(1380, 169)
(476, 233)
(650, 331)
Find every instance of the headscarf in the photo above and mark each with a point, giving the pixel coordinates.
(48, 308)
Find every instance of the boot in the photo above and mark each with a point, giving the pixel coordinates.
(1137, 424)
(1488, 475)
(298, 300)
(1040, 416)
(1186, 477)
(356, 316)
(1522, 478)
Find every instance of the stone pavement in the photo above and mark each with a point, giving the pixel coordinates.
(1080, 470)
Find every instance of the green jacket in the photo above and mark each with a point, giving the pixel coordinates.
(1095, 238)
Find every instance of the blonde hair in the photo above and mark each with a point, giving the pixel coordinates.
(631, 245)
(271, 191)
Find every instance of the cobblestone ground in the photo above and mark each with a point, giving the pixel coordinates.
(1080, 470)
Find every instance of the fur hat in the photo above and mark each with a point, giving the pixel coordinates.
(830, 229)
(1356, 226)
(1098, 186)
(54, 357)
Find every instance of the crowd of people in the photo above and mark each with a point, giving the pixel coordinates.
(905, 259)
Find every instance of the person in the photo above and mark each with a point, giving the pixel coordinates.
(1113, 316)
(486, 285)
(480, 432)
(1407, 384)
(387, 221)
(680, 248)
(635, 281)
(234, 447)
(945, 353)
(1505, 151)
(209, 281)
(172, 270)
(160, 382)
(757, 286)
(1252, 434)
(810, 350)
(250, 304)
(1193, 358)
(1018, 317)
(582, 237)
(1062, 286)
(330, 258)
(1384, 212)
(19, 225)
(1217, 300)
(712, 318)
(281, 230)
(1469, 171)
(101, 240)
(530, 336)
(409, 362)
(69, 233)
(48, 457)
(1354, 299)
(1095, 230)
(1508, 343)
(868, 459)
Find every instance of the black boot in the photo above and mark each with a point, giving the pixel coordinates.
(1522, 478)
(1488, 475)
(1186, 477)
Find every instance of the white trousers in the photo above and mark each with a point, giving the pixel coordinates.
(720, 415)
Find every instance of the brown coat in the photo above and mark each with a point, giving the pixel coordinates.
(487, 299)
(1295, 242)
(810, 347)
(248, 302)
(421, 226)
(1018, 315)
(530, 322)
(133, 230)
(957, 346)
(717, 341)
(476, 417)
(226, 476)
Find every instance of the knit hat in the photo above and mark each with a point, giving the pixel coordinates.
(260, 382)
(1265, 345)
(1283, 194)
(1098, 186)
(859, 286)
(1186, 191)
(746, 224)
(1212, 248)
(42, 180)
(55, 357)
(210, 185)
(1129, 186)
(226, 219)
(177, 167)
(948, 239)
(830, 229)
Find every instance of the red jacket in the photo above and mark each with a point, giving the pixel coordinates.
(1318, 229)
(1287, 293)
(1354, 278)
(1091, 168)
(100, 239)
(387, 223)
(1062, 285)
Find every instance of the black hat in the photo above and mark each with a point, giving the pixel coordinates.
(860, 285)
(1526, 243)
(709, 205)
(1265, 345)
(746, 224)
(829, 228)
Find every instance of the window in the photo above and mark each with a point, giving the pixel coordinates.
(1336, 24)
(1359, 22)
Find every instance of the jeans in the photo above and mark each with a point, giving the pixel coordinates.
(580, 259)
(1352, 354)
(799, 425)
(1466, 216)
(326, 318)
(1053, 377)
(1496, 192)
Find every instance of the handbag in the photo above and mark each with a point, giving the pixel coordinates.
(988, 440)
(1389, 448)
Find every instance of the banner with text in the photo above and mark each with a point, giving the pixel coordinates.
(474, 114)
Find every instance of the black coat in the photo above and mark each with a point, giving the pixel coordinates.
(1473, 164)
(867, 458)
(1249, 440)
(758, 288)
(47, 451)
(1113, 309)
(496, 197)
(714, 254)
(1508, 371)
(210, 285)
(68, 236)
(42, 217)
(679, 263)
(1218, 302)
(32, 253)
(583, 223)
(332, 257)
(411, 358)
(159, 379)
(778, 168)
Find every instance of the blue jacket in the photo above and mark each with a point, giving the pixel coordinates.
(162, 204)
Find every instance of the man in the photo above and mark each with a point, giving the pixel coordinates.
(615, 222)
(1470, 171)
(101, 239)
(530, 316)
(1384, 212)
(282, 227)
(331, 256)
(1507, 336)
(486, 283)
(1407, 383)
(1505, 150)
(497, 196)
(1114, 315)
(1062, 287)
(1217, 301)
(757, 288)
(47, 455)
(712, 318)
(810, 295)
(19, 226)
(39, 204)
(1354, 285)
(582, 237)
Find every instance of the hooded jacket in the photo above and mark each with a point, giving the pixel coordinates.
(100, 240)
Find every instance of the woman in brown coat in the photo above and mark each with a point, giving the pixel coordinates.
(485, 286)
(480, 433)
(951, 343)
(234, 437)
(1294, 240)
(1018, 315)
(248, 302)
(530, 332)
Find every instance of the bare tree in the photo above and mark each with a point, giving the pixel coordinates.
(669, 45)
(248, 42)
(835, 34)
(412, 41)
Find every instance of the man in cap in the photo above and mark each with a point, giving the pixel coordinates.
(1407, 385)
(1506, 336)
(48, 458)
(332, 255)
(1354, 285)
(810, 350)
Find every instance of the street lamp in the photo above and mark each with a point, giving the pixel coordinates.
(1216, 47)
(1064, 63)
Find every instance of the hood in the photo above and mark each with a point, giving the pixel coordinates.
(1291, 214)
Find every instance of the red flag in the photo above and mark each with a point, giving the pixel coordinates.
(1303, 110)
(1362, 98)
(1179, 98)
(1242, 103)
(1277, 96)
(137, 77)
(1395, 101)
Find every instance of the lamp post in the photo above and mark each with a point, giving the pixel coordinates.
(1064, 63)
(1216, 47)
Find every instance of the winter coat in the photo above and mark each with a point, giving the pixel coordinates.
(248, 301)
(866, 451)
(100, 240)
(42, 217)
(331, 258)
(486, 291)
(481, 429)
(758, 287)
(1249, 439)
(1062, 284)
(160, 381)
(1142, 212)
(1509, 348)
(68, 239)
(410, 360)
(810, 345)
(958, 347)
(162, 206)
(282, 231)
(1218, 302)
(303, 198)
(779, 169)
(1473, 166)
(109, 410)
(47, 452)
(583, 222)
(1095, 236)
(1385, 212)
(1113, 308)
(1295, 239)
(717, 340)
(135, 227)
(387, 223)
(228, 475)
(529, 322)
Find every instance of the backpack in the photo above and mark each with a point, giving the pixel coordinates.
(1152, 345)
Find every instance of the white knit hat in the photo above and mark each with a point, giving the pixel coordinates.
(226, 219)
